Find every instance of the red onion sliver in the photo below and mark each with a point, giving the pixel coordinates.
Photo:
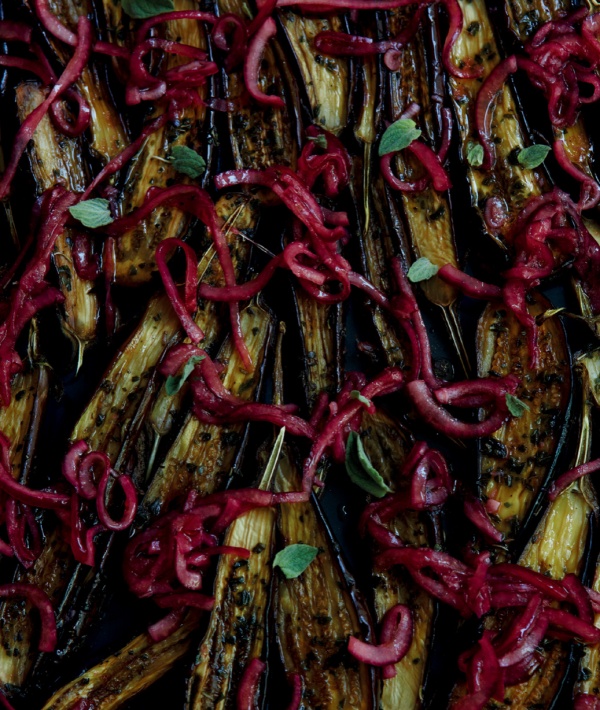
(39, 599)
(249, 685)
(256, 50)
(566, 479)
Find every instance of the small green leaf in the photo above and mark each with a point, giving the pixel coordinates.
(141, 9)
(515, 406)
(187, 161)
(533, 156)
(355, 394)
(475, 154)
(92, 213)
(320, 141)
(294, 559)
(422, 270)
(360, 469)
(398, 136)
(175, 382)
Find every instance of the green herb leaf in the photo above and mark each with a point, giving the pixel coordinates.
(515, 406)
(187, 161)
(294, 559)
(175, 382)
(92, 213)
(320, 141)
(533, 156)
(360, 469)
(422, 270)
(355, 394)
(273, 460)
(475, 154)
(398, 136)
(141, 9)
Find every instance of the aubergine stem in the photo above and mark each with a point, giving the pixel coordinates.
(135, 262)
(516, 460)
(387, 444)
(508, 184)
(556, 548)
(237, 630)
(7, 206)
(591, 317)
(240, 215)
(56, 159)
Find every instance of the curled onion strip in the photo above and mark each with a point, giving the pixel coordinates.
(492, 85)
(249, 685)
(256, 50)
(183, 308)
(396, 638)
(39, 599)
(566, 479)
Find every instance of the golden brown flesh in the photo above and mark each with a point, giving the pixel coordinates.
(509, 183)
(237, 630)
(316, 613)
(202, 455)
(387, 445)
(326, 79)
(135, 249)
(516, 460)
(57, 160)
(126, 673)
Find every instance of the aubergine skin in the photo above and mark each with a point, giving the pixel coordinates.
(516, 460)
(318, 611)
